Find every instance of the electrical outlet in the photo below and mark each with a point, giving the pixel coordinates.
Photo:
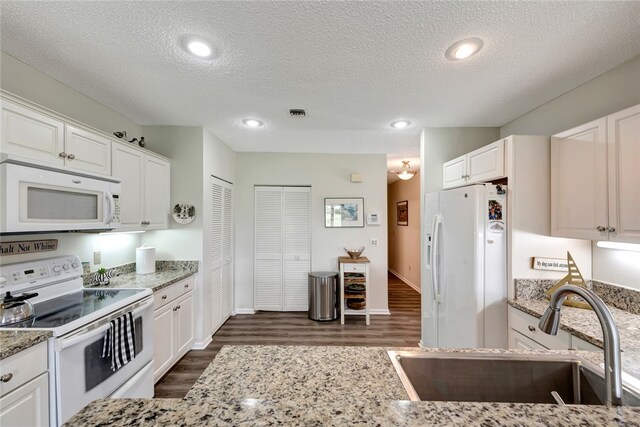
(97, 257)
(374, 242)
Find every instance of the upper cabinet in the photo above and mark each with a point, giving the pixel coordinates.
(144, 198)
(481, 165)
(595, 180)
(43, 139)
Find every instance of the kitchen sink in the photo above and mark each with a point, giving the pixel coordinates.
(491, 377)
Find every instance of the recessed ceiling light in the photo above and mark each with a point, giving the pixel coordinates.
(464, 49)
(400, 124)
(198, 47)
(252, 123)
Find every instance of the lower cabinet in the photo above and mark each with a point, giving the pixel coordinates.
(25, 388)
(524, 334)
(173, 325)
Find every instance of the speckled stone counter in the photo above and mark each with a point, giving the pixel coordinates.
(327, 386)
(584, 324)
(12, 342)
(253, 412)
(167, 273)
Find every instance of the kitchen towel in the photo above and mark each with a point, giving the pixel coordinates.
(120, 341)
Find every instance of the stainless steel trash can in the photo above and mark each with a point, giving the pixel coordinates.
(323, 298)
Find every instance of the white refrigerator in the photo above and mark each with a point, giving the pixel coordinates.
(464, 303)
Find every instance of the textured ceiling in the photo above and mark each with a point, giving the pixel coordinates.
(355, 66)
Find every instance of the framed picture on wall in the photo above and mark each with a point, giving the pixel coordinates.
(403, 212)
(343, 212)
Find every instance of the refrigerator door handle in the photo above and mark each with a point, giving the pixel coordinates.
(435, 233)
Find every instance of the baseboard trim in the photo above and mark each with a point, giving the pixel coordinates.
(245, 311)
(406, 281)
(201, 345)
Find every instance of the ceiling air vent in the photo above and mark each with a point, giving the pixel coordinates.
(297, 112)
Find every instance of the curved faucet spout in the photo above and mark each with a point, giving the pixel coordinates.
(550, 322)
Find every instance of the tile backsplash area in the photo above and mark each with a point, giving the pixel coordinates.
(617, 296)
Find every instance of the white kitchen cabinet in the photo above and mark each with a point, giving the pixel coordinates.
(520, 342)
(86, 151)
(595, 180)
(527, 326)
(482, 165)
(173, 324)
(144, 198)
(24, 388)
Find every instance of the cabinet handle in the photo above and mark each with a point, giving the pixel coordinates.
(175, 308)
(145, 222)
(71, 157)
(178, 308)
(62, 155)
(601, 228)
(6, 378)
(611, 229)
(186, 286)
(164, 297)
(532, 328)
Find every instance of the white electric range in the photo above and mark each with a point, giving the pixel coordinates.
(78, 319)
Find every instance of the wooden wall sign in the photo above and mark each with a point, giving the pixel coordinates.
(553, 264)
(28, 246)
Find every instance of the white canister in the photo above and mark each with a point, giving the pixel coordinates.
(145, 259)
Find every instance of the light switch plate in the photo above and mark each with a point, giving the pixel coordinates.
(97, 257)
(374, 242)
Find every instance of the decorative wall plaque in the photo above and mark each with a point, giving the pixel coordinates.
(28, 246)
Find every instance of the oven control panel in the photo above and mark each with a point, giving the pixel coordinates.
(37, 273)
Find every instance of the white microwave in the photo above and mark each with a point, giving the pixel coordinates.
(41, 200)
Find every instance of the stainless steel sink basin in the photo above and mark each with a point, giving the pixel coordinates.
(487, 377)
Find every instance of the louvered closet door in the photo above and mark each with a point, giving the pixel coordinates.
(268, 249)
(221, 260)
(227, 253)
(296, 240)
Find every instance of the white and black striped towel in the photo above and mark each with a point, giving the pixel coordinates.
(120, 341)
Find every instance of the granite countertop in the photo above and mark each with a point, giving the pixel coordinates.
(585, 325)
(12, 342)
(162, 278)
(327, 386)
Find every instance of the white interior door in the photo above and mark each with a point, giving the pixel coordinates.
(268, 249)
(296, 247)
(221, 258)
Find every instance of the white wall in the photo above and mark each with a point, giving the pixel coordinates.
(606, 94)
(27, 82)
(404, 241)
(329, 176)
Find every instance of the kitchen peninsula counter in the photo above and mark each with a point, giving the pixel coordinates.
(326, 386)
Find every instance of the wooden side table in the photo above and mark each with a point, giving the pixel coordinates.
(354, 271)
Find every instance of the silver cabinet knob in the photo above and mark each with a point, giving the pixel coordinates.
(601, 228)
(532, 328)
(71, 157)
(6, 378)
(164, 297)
(62, 155)
(186, 286)
(611, 229)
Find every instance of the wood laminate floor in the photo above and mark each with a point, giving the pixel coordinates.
(400, 329)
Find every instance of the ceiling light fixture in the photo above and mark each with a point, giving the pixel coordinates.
(252, 123)
(463, 49)
(406, 172)
(198, 47)
(620, 246)
(400, 124)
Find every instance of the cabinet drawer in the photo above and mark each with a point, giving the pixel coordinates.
(528, 326)
(23, 367)
(354, 268)
(184, 286)
(163, 297)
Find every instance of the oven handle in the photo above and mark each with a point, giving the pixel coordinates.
(91, 331)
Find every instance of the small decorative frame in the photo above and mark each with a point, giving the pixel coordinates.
(184, 213)
(342, 212)
(403, 212)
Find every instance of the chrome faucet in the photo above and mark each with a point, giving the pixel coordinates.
(550, 322)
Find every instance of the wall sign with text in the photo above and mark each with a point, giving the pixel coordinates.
(553, 264)
(28, 246)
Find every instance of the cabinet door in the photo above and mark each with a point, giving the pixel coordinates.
(454, 172)
(486, 163)
(32, 135)
(184, 324)
(128, 164)
(520, 342)
(156, 193)
(623, 143)
(579, 182)
(28, 405)
(87, 151)
(296, 244)
(164, 340)
(582, 345)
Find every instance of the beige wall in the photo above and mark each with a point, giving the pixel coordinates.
(606, 94)
(404, 241)
(329, 176)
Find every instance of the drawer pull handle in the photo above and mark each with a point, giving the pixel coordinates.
(6, 378)
(532, 328)
(186, 286)
(164, 297)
